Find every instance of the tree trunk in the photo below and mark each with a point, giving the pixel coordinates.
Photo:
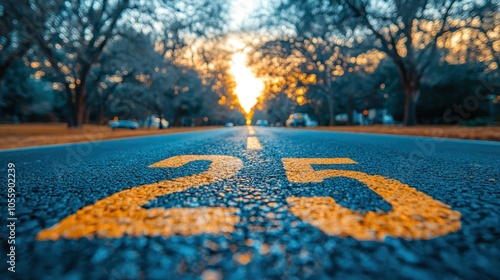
(350, 112)
(72, 119)
(77, 107)
(411, 84)
(331, 110)
(160, 125)
(87, 111)
(100, 118)
(70, 110)
(412, 94)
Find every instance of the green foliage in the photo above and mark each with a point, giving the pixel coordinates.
(482, 121)
(16, 93)
(453, 88)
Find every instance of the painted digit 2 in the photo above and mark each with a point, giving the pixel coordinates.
(122, 213)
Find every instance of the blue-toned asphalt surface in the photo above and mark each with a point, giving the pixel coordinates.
(54, 182)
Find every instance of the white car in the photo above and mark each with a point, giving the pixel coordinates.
(296, 119)
(387, 119)
(299, 119)
(153, 121)
(261, 123)
(123, 124)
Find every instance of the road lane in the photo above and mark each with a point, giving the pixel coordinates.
(263, 237)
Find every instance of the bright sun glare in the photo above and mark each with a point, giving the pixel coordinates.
(248, 87)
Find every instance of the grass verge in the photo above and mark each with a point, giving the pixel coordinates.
(458, 132)
(27, 135)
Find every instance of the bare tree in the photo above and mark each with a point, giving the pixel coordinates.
(73, 42)
(75, 37)
(408, 31)
(411, 34)
(20, 22)
(319, 52)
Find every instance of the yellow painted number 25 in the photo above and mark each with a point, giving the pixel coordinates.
(414, 215)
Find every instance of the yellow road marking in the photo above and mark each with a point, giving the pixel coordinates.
(253, 143)
(251, 131)
(122, 213)
(414, 215)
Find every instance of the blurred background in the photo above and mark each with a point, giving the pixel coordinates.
(190, 63)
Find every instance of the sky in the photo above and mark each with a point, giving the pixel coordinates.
(248, 87)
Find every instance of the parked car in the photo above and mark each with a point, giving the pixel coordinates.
(229, 124)
(153, 121)
(296, 119)
(311, 123)
(261, 123)
(388, 119)
(123, 124)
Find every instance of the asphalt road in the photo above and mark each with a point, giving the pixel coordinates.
(261, 203)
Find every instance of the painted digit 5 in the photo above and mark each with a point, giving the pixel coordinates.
(414, 215)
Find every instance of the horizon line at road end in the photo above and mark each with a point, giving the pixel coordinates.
(430, 138)
(27, 148)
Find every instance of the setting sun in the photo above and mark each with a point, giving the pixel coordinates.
(248, 87)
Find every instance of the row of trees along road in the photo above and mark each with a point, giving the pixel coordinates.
(129, 58)
(331, 54)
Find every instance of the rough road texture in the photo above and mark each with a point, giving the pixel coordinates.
(243, 226)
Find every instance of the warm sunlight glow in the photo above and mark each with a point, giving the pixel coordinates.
(248, 87)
